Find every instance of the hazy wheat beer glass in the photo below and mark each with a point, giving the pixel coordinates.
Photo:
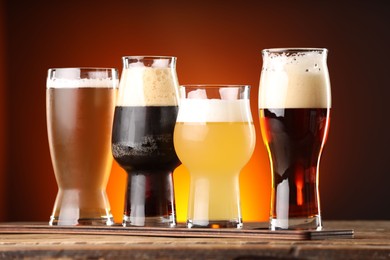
(294, 108)
(142, 138)
(80, 107)
(214, 138)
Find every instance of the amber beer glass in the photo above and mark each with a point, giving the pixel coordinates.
(214, 138)
(80, 107)
(142, 138)
(294, 108)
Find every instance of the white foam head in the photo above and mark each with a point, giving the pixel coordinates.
(299, 80)
(198, 108)
(214, 110)
(71, 78)
(142, 85)
(82, 83)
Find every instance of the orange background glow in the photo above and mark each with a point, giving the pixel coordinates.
(215, 42)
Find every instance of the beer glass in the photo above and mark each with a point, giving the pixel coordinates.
(142, 138)
(294, 108)
(80, 107)
(214, 138)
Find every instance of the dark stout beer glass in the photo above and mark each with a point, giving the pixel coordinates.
(142, 139)
(294, 108)
(80, 106)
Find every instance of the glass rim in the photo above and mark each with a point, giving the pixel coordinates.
(82, 68)
(68, 75)
(215, 85)
(294, 50)
(150, 57)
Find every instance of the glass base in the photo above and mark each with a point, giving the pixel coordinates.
(104, 221)
(309, 223)
(160, 221)
(214, 223)
(81, 207)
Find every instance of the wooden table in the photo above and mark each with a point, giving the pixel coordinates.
(371, 240)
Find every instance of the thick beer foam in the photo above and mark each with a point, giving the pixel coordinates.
(81, 83)
(295, 81)
(214, 110)
(148, 86)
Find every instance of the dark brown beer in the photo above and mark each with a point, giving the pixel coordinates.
(294, 105)
(142, 143)
(142, 138)
(294, 139)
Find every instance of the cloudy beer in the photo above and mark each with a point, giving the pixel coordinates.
(294, 108)
(79, 119)
(142, 139)
(214, 138)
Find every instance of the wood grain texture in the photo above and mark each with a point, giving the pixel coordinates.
(371, 241)
(252, 230)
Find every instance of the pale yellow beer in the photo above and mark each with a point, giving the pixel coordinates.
(214, 139)
(213, 162)
(208, 150)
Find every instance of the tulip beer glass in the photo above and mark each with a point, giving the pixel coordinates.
(80, 107)
(214, 138)
(294, 108)
(142, 139)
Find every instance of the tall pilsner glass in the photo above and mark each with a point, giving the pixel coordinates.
(142, 138)
(294, 107)
(80, 108)
(214, 138)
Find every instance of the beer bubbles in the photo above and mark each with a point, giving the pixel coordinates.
(294, 80)
(150, 84)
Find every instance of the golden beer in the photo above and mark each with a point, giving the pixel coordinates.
(79, 123)
(214, 159)
(214, 139)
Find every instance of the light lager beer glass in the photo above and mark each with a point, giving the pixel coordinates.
(294, 108)
(214, 138)
(80, 107)
(142, 138)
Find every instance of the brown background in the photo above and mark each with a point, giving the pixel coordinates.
(215, 42)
